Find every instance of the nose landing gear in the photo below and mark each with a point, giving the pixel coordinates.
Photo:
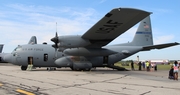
(23, 68)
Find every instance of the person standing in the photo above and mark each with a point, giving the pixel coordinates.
(144, 65)
(139, 65)
(147, 66)
(176, 69)
(150, 66)
(132, 65)
(155, 66)
(171, 73)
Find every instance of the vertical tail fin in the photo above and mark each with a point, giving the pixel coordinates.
(33, 40)
(1, 48)
(143, 35)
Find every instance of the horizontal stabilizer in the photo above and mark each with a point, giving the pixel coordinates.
(160, 46)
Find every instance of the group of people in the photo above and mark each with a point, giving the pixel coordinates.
(146, 66)
(173, 72)
(149, 66)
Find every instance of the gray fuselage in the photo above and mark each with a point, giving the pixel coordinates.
(44, 55)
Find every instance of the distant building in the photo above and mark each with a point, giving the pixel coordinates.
(179, 61)
(159, 61)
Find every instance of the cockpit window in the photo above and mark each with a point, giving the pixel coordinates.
(18, 48)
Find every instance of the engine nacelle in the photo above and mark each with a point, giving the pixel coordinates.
(75, 62)
(64, 62)
(72, 41)
(86, 65)
(88, 52)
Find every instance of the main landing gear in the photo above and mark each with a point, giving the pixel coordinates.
(51, 68)
(78, 69)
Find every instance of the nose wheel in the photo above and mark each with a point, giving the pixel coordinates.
(23, 68)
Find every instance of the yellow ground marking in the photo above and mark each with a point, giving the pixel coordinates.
(1, 84)
(24, 92)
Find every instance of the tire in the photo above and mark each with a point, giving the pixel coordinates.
(23, 68)
(87, 69)
(72, 68)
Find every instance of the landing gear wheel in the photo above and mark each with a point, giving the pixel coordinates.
(87, 69)
(50, 68)
(72, 68)
(23, 68)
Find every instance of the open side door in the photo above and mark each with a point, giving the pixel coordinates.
(30, 60)
(105, 60)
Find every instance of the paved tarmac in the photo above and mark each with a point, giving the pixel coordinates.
(102, 81)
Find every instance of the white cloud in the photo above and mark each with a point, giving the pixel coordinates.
(26, 21)
(162, 11)
(163, 39)
(160, 37)
(102, 1)
(125, 37)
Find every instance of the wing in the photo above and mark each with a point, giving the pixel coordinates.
(160, 46)
(113, 24)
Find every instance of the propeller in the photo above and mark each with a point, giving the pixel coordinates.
(56, 41)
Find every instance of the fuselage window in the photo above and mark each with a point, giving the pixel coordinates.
(18, 48)
(45, 57)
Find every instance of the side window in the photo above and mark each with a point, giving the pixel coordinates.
(45, 57)
(0, 59)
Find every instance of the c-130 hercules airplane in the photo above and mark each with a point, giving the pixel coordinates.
(90, 50)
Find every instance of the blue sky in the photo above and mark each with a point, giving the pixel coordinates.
(21, 19)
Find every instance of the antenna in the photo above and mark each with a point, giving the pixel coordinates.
(56, 26)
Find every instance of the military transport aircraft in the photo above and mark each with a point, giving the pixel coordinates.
(90, 50)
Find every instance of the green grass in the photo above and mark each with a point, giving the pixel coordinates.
(159, 67)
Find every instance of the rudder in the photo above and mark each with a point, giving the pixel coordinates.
(143, 36)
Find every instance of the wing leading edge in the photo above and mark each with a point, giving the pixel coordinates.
(113, 24)
(160, 46)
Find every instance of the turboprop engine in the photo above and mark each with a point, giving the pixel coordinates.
(69, 41)
(74, 62)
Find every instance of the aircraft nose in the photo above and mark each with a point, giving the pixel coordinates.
(8, 58)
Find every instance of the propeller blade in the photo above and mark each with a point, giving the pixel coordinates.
(55, 45)
(56, 41)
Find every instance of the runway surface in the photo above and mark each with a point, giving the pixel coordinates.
(102, 81)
